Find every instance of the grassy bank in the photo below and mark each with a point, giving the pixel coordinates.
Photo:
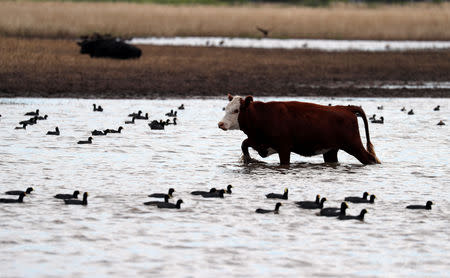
(54, 68)
(72, 19)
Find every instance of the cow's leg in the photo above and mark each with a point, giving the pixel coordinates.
(244, 147)
(285, 156)
(331, 156)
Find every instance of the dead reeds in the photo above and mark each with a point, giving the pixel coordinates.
(70, 20)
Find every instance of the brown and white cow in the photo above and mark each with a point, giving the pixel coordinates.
(304, 128)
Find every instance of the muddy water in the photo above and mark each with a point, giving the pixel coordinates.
(117, 236)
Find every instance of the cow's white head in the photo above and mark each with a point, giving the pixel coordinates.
(230, 120)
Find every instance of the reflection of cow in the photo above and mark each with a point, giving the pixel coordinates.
(304, 128)
(107, 46)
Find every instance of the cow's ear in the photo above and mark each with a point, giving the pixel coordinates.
(246, 102)
(230, 97)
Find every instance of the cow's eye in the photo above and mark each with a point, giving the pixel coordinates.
(236, 111)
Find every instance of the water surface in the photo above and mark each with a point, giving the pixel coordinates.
(117, 236)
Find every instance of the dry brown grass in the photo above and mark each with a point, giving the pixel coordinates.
(69, 20)
(54, 68)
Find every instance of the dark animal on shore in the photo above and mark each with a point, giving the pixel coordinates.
(329, 212)
(275, 211)
(89, 141)
(18, 192)
(24, 126)
(9, 201)
(181, 107)
(32, 113)
(380, 121)
(427, 206)
(281, 127)
(263, 31)
(156, 125)
(56, 132)
(278, 196)
(359, 217)
(106, 46)
(74, 195)
(83, 202)
(97, 109)
(411, 112)
(130, 122)
(98, 133)
(437, 108)
(441, 123)
(119, 130)
(163, 195)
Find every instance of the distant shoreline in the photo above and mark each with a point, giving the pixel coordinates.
(56, 69)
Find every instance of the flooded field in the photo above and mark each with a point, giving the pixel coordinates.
(115, 235)
(326, 45)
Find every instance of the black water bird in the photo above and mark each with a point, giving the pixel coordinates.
(83, 202)
(130, 122)
(56, 132)
(170, 205)
(9, 201)
(181, 107)
(74, 195)
(217, 194)
(228, 190)
(98, 133)
(97, 109)
(142, 117)
(163, 195)
(362, 199)
(283, 196)
(403, 109)
(119, 130)
(355, 217)
(263, 31)
(32, 113)
(317, 201)
(42, 118)
(135, 114)
(89, 141)
(437, 108)
(373, 117)
(411, 112)
(441, 123)
(313, 205)
(18, 192)
(276, 210)
(199, 192)
(427, 206)
(380, 107)
(380, 121)
(333, 211)
(24, 126)
(30, 121)
(155, 203)
(156, 125)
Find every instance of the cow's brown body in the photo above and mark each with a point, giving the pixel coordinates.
(304, 128)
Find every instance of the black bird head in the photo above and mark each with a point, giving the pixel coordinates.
(171, 191)
(317, 198)
(29, 189)
(277, 206)
(372, 198)
(428, 205)
(76, 193)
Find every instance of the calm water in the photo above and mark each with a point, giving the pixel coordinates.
(117, 236)
(327, 45)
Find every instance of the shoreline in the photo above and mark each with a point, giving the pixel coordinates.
(55, 68)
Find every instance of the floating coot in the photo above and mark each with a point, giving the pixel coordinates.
(329, 212)
(9, 201)
(362, 199)
(313, 205)
(170, 205)
(74, 195)
(317, 201)
(279, 196)
(155, 203)
(199, 192)
(89, 141)
(427, 206)
(56, 132)
(77, 202)
(355, 217)
(163, 195)
(32, 113)
(18, 192)
(275, 211)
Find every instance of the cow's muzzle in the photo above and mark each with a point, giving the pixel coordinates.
(222, 126)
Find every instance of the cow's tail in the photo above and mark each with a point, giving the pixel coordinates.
(360, 112)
